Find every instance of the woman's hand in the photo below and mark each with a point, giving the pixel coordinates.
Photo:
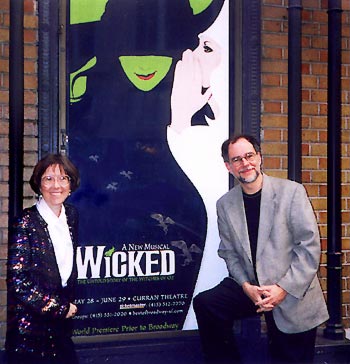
(72, 310)
(187, 97)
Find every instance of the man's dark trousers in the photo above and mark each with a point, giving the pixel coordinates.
(218, 308)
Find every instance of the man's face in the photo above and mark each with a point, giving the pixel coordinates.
(244, 163)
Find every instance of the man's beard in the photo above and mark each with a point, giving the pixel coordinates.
(250, 179)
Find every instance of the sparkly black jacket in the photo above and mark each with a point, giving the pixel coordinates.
(37, 303)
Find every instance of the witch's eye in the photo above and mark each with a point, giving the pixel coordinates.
(207, 49)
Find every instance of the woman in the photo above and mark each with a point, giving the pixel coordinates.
(41, 269)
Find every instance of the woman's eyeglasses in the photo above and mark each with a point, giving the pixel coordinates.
(49, 181)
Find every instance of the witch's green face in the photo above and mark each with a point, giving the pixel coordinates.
(198, 6)
(145, 72)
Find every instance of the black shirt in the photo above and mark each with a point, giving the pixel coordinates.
(252, 212)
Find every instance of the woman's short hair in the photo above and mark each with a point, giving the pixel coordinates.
(51, 160)
(233, 139)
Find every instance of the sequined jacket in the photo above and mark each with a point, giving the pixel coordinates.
(37, 303)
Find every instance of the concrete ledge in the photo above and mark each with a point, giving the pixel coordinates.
(183, 347)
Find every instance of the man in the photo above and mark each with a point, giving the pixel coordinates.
(271, 246)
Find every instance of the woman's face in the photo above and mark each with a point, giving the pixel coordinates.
(208, 54)
(55, 187)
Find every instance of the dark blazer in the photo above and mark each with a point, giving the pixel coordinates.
(37, 303)
(288, 251)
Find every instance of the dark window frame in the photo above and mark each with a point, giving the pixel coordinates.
(244, 73)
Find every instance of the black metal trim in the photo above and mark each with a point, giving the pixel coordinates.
(16, 109)
(245, 69)
(294, 90)
(235, 66)
(251, 67)
(48, 77)
(334, 329)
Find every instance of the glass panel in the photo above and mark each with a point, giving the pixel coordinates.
(147, 113)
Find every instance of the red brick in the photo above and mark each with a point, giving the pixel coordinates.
(29, 6)
(5, 5)
(269, 12)
(273, 40)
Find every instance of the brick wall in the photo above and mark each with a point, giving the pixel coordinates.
(30, 126)
(274, 116)
(4, 158)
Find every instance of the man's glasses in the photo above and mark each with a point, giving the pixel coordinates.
(49, 181)
(249, 157)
